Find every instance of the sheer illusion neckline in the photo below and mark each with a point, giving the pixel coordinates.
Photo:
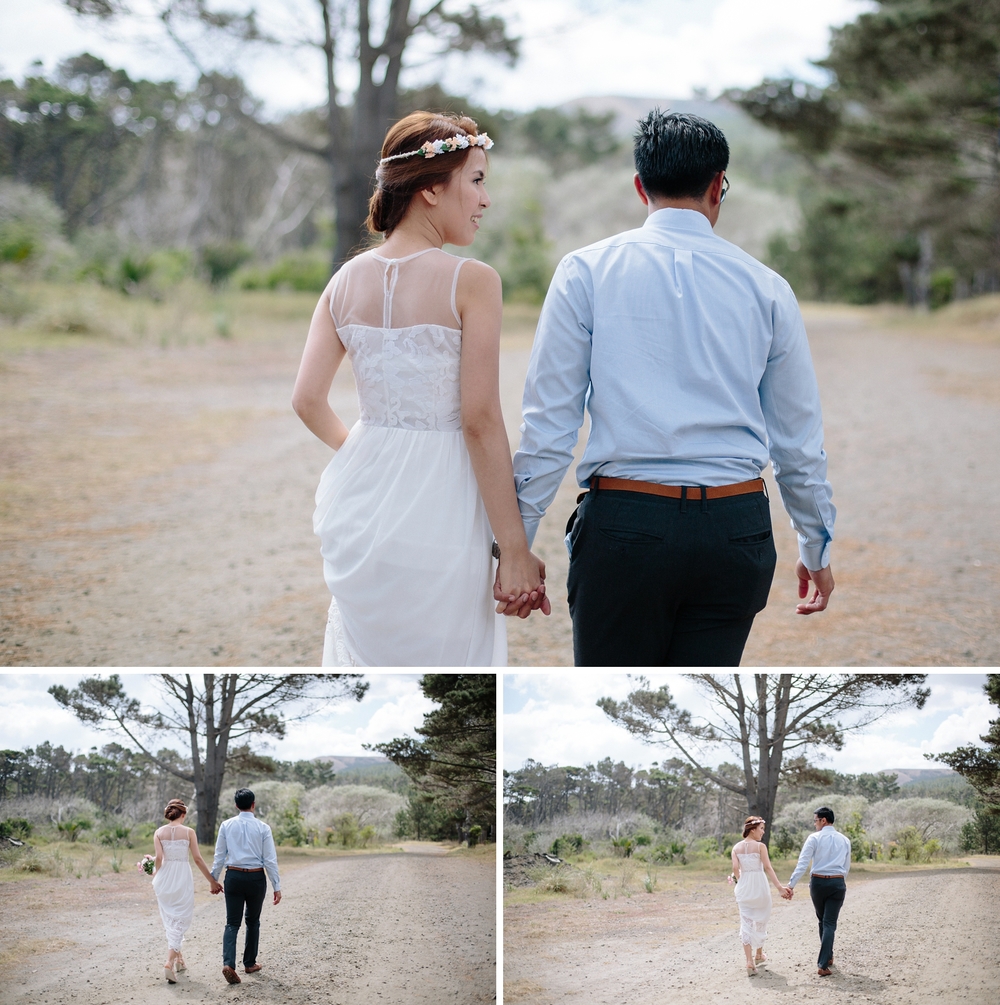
(406, 258)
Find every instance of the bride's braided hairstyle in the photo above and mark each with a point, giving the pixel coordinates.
(398, 181)
(175, 809)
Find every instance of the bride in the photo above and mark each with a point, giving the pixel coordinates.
(173, 883)
(751, 870)
(419, 498)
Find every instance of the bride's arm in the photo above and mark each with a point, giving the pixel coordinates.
(480, 306)
(736, 863)
(323, 354)
(765, 861)
(158, 848)
(198, 860)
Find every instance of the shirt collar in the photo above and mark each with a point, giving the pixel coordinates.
(245, 813)
(671, 218)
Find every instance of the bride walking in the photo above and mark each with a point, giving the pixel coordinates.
(419, 497)
(173, 882)
(751, 870)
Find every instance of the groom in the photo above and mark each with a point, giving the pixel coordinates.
(245, 846)
(692, 360)
(829, 853)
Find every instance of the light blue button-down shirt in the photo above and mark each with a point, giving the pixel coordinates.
(693, 361)
(247, 843)
(828, 850)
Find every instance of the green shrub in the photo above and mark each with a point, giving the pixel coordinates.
(220, 261)
(623, 846)
(346, 830)
(30, 223)
(568, 844)
(73, 828)
(302, 272)
(942, 288)
(860, 845)
(290, 826)
(784, 840)
(403, 826)
(365, 835)
(475, 834)
(910, 843)
(15, 827)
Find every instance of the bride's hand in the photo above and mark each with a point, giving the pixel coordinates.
(519, 587)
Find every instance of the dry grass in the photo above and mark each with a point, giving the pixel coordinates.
(71, 314)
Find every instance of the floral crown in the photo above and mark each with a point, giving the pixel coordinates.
(434, 147)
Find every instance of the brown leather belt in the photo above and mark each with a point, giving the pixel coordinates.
(237, 868)
(678, 491)
(823, 875)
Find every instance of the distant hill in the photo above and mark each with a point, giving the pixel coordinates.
(907, 776)
(343, 763)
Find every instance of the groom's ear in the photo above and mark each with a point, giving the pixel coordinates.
(637, 181)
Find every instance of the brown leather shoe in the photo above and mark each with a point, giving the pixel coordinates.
(824, 971)
(253, 969)
(231, 975)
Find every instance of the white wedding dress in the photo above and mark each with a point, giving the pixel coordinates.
(753, 897)
(403, 530)
(173, 885)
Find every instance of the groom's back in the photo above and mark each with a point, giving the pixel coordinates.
(682, 325)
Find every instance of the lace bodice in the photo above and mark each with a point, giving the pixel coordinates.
(398, 321)
(175, 849)
(749, 860)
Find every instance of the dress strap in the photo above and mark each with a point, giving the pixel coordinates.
(454, 289)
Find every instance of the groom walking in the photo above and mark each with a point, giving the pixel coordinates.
(692, 359)
(245, 846)
(829, 852)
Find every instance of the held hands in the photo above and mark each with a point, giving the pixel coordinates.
(519, 587)
(822, 579)
(216, 887)
(787, 893)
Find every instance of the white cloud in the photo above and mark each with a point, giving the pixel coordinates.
(393, 706)
(648, 48)
(553, 718)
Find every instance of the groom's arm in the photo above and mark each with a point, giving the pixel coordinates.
(555, 391)
(221, 850)
(805, 857)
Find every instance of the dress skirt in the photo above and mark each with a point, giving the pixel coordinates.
(753, 897)
(406, 553)
(173, 885)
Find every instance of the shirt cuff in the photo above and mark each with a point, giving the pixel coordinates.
(814, 556)
(531, 528)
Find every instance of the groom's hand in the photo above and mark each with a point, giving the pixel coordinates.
(520, 606)
(277, 897)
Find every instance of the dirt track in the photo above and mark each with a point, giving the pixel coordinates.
(156, 505)
(390, 929)
(903, 939)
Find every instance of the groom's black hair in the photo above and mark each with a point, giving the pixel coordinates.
(244, 799)
(825, 813)
(677, 155)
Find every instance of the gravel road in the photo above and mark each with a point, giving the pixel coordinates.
(903, 939)
(156, 505)
(416, 928)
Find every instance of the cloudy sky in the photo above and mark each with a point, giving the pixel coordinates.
(570, 48)
(553, 718)
(393, 706)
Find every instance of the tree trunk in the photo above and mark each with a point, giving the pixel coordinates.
(354, 163)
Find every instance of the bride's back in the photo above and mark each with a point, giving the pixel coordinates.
(398, 320)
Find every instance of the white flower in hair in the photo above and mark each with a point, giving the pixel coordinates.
(434, 147)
